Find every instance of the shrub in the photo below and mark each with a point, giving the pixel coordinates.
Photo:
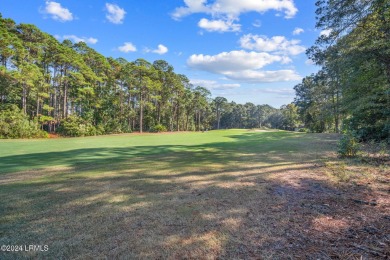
(100, 129)
(112, 126)
(158, 128)
(15, 124)
(348, 146)
(75, 126)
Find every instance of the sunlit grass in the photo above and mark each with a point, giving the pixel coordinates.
(144, 196)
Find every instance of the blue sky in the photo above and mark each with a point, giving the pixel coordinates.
(246, 51)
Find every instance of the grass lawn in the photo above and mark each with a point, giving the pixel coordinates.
(220, 194)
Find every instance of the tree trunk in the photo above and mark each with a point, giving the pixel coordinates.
(199, 121)
(177, 117)
(337, 115)
(65, 105)
(171, 118)
(129, 123)
(37, 111)
(218, 118)
(158, 112)
(141, 114)
(187, 118)
(24, 99)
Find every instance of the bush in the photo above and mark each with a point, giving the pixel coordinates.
(75, 126)
(41, 134)
(114, 126)
(15, 124)
(158, 128)
(348, 146)
(100, 129)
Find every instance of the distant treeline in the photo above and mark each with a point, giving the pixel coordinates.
(351, 92)
(52, 86)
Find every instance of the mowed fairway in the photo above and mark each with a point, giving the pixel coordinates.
(228, 194)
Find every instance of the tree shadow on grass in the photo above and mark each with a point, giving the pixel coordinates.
(248, 147)
(226, 200)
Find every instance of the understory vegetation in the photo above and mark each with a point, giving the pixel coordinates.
(15, 124)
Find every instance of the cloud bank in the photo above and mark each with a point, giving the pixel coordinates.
(243, 66)
(234, 9)
(276, 44)
(226, 13)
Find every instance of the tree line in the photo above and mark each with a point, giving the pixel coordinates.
(70, 88)
(351, 92)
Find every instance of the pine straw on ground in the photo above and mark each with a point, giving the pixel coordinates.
(339, 220)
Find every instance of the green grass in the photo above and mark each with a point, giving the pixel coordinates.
(143, 196)
(20, 155)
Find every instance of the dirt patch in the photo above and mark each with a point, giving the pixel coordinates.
(53, 135)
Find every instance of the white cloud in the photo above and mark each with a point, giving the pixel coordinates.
(76, 39)
(326, 32)
(276, 44)
(192, 6)
(161, 49)
(219, 25)
(115, 14)
(233, 9)
(256, 76)
(243, 66)
(232, 61)
(213, 85)
(127, 47)
(286, 60)
(58, 12)
(298, 31)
